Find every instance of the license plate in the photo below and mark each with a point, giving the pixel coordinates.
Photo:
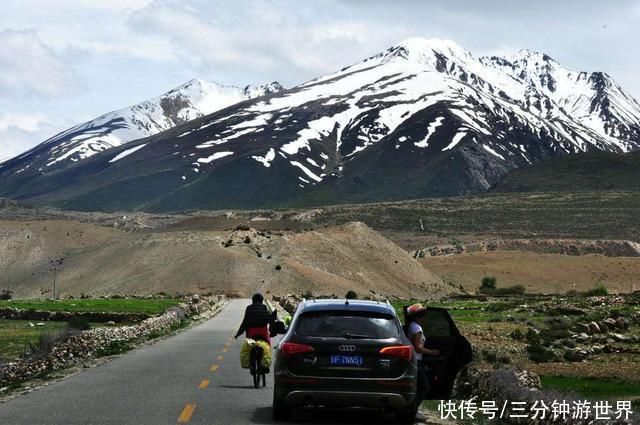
(344, 360)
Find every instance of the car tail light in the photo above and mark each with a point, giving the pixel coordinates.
(291, 348)
(404, 352)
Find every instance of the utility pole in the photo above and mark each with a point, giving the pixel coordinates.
(54, 263)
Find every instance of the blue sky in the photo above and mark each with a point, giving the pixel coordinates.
(66, 61)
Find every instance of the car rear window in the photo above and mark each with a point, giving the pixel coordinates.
(348, 324)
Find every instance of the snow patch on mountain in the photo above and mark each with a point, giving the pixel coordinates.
(127, 152)
(267, 158)
(213, 157)
(430, 131)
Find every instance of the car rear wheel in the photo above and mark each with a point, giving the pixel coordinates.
(407, 416)
(281, 412)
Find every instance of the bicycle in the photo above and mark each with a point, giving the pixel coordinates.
(255, 366)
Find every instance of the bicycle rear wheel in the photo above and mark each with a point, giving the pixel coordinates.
(256, 379)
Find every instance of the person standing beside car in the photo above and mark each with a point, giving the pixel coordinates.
(417, 338)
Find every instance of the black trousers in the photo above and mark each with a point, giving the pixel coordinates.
(423, 384)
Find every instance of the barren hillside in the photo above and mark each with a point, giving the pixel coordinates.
(103, 261)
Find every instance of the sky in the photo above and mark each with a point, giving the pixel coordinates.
(63, 62)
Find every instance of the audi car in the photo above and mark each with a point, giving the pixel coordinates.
(345, 353)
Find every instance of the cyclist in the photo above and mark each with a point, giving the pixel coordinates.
(256, 321)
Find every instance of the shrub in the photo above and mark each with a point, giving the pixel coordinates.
(510, 290)
(79, 323)
(539, 354)
(46, 341)
(114, 347)
(517, 334)
(278, 267)
(488, 284)
(6, 294)
(351, 295)
(242, 227)
(502, 306)
(489, 357)
(599, 290)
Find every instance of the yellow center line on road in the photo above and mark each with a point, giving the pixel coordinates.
(213, 368)
(227, 344)
(220, 357)
(204, 384)
(185, 416)
(224, 350)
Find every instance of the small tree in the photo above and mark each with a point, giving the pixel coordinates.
(488, 285)
(6, 294)
(351, 295)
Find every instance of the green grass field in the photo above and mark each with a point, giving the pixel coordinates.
(15, 336)
(594, 388)
(151, 307)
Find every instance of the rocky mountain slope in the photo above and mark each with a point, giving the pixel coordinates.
(423, 118)
(593, 171)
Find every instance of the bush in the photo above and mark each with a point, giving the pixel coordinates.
(489, 356)
(278, 267)
(351, 295)
(599, 290)
(114, 347)
(510, 290)
(502, 306)
(488, 284)
(46, 341)
(6, 294)
(539, 354)
(517, 334)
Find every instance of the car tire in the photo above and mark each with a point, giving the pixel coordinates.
(407, 416)
(280, 411)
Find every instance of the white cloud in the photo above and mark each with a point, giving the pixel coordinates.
(30, 68)
(287, 40)
(20, 132)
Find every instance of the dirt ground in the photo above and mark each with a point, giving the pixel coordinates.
(538, 273)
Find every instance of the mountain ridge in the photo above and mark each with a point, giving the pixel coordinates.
(422, 118)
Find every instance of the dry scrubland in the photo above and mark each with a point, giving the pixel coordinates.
(538, 273)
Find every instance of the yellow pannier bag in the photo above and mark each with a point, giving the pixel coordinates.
(245, 353)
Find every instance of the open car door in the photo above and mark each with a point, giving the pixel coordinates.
(442, 334)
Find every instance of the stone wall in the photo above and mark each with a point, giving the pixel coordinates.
(78, 346)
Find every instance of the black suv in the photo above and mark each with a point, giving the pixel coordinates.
(345, 353)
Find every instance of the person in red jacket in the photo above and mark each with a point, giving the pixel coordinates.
(256, 321)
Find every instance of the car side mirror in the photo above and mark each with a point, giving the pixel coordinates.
(277, 328)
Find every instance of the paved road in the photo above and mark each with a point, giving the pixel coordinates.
(193, 377)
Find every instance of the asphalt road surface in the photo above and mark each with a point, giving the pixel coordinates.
(191, 378)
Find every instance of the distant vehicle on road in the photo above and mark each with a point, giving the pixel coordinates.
(344, 353)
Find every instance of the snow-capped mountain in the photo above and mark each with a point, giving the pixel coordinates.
(423, 118)
(189, 101)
